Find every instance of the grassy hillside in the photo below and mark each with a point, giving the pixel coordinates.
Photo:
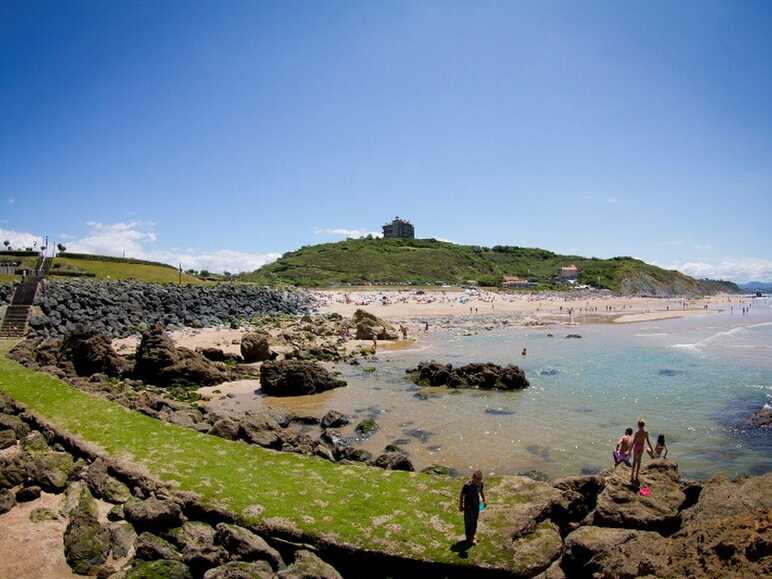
(104, 267)
(427, 261)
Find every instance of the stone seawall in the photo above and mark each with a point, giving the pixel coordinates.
(121, 308)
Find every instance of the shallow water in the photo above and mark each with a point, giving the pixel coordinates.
(696, 379)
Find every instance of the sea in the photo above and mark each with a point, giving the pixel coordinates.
(695, 379)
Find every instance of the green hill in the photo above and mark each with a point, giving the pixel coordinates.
(428, 261)
(80, 265)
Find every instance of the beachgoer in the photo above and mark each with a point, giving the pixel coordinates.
(403, 329)
(660, 448)
(640, 438)
(624, 445)
(524, 352)
(426, 327)
(375, 345)
(469, 503)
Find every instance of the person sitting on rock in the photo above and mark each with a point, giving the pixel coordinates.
(469, 503)
(660, 448)
(622, 451)
(640, 438)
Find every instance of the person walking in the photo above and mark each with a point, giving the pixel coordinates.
(469, 503)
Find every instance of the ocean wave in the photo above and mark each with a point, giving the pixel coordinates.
(698, 346)
(651, 334)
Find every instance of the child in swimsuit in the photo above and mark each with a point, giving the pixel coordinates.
(622, 451)
(640, 438)
(660, 448)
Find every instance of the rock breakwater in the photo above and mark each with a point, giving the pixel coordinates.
(120, 308)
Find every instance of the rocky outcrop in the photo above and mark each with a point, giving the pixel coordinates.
(256, 348)
(394, 461)
(296, 378)
(121, 308)
(306, 566)
(90, 352)
(622, 505)
(87, 543)
(762, 418)
(158, 361)
(476, 375)
(369, 327)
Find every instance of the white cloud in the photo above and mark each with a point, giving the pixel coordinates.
(136, 238)
(11, 201)
(343, 232)
(741, 269)
(19, 239)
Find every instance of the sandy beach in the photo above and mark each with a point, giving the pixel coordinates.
(546, 307)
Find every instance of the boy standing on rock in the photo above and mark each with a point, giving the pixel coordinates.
(469, 504)
(641, 437)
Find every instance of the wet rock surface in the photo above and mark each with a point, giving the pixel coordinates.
(296, 378)
(476, 375)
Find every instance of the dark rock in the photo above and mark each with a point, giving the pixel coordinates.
(394, 461)
(334, 419)
(7, 439)
(90, 351)
(27, 494)
(214, 354)
(7, 501)
(476, 375)
(14, 424)
(103, 485)
(260, 428)
(191, 533)
(607, 552)
(308, 566)
(241, 570)
(549, 372)
(13, 471)
(354, 454)
(245, 545)
(123, 538)
(762, 418)
(150, 547)
(256, 348)
(201, 559)
(295, 378)
(116, 513)
(152, 513)
(440, 470)
(574, 336)
(225, 428)
(537, 550)
(159, 362)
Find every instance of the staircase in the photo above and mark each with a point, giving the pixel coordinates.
(17, 315)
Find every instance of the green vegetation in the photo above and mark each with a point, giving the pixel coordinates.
(103, 267)
(428, 261)
(408, 514)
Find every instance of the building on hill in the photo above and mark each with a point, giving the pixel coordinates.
(514, 281)
(568, 273)
(400, 229)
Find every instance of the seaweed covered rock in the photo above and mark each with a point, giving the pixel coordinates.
(87, 543)
(103, 485)
(476, 375)
(307, 565)
(161, 569)
(150, 547)
(369, 327)
(256, 348)
(611, 552)
(296, 378)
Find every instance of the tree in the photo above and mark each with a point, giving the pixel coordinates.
(227, 273)
(7, 245)
(61, 248)
(205, 273)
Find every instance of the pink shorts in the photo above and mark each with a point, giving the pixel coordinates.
(620, 456)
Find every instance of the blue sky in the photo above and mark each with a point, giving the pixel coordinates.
(223, 134)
